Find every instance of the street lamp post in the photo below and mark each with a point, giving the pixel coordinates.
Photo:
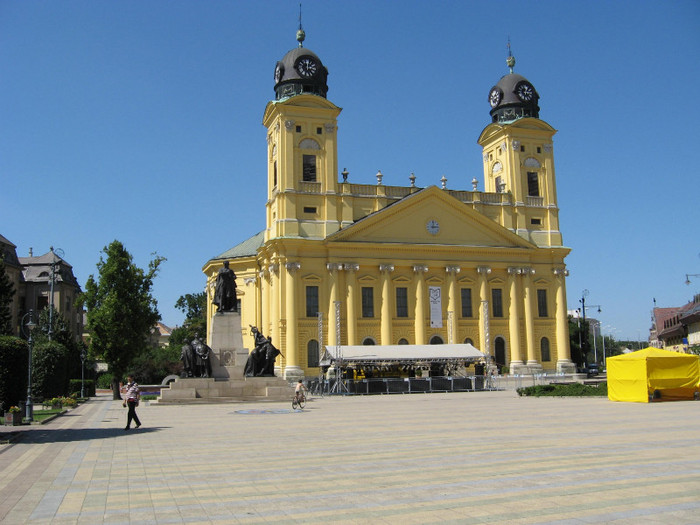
(689, 275)
(54, 266)
(584, 294)
(82, 373)
(30, 325)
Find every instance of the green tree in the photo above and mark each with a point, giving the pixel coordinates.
(61, 334)
(7, 292)
(578, 336)
(121, 311)
(14, 355)
(194, 306)
(50, 364)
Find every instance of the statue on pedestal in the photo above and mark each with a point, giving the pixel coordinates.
(261, 361)
(195, 358)
(225, 291)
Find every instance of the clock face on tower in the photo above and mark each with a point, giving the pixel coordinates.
(279, 71)
(525, 92)
(494, 97)
(433, 227)
(307, 67)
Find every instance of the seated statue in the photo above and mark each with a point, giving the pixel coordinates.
(261, 361)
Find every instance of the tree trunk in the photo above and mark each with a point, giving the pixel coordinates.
(115, 389)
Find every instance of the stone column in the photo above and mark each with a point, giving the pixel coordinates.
(333, 268)
(452, 272)
(385, 313)
(275, 294)
(516, 357)
(564, 363)
(419, 270)
(292, 370)
(484, 343)
(351, 281)
(529, 302)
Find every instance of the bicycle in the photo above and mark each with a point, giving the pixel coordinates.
(299, 400)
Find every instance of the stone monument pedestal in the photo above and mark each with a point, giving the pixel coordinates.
(227, 383)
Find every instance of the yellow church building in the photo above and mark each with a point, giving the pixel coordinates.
(369, 264)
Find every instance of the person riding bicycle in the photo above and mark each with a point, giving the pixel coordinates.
(299, 390)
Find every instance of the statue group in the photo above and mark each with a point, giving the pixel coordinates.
(261, 361)
(195, 358)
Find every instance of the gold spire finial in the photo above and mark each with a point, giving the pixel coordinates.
(510, 61)
(300, 33)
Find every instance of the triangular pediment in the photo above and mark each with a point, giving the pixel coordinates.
(430, 216)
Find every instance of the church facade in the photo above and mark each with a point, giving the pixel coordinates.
(369, 264)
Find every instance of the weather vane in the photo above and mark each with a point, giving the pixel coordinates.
(510, 61)
(300, 34)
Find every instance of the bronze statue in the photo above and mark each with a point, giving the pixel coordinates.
(261, 361)
(187, 358)
(202, 353)
(225, 291)
(195, 358)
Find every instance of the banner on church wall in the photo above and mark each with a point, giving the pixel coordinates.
(435, 294)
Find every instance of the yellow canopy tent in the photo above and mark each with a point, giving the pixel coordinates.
(637, 376)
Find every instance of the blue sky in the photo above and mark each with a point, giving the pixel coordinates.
(141, 121)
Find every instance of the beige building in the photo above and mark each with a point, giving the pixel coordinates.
(39, 282)
(370, 264)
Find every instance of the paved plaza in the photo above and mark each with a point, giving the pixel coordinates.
(463, 458)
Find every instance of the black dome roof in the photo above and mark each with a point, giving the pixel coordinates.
(513, 97)
(300, 71)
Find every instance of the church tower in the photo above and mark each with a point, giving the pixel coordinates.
(302, 154)
(518, 158)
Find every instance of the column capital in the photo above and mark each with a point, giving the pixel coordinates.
(292, 266)
(273, 268)
(334, 267)
(453, 269)
(420, 268)
(483, 270)
(351, 267)
(520, 270)
(249, 280)
(560, 271)
(386, 268)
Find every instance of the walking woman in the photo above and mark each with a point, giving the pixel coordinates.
(131, 397)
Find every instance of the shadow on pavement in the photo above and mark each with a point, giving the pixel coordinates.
(64, 435)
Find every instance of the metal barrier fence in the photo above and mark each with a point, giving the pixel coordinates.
(407, 385)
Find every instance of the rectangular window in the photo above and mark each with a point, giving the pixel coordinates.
(309, 168)
(402, 302)
(274, 175)
(467, 302)
(533, 186)
(298, 129)
(311, 301)
(542, 303)
(319, 131)
(309, 209)
(535, 221)
(497, 302)
(367, 301)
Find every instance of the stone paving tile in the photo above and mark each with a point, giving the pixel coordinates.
(442, 458)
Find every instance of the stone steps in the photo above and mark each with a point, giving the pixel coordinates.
(217, 390)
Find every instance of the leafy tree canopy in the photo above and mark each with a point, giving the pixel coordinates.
(7, 292)
(193, 305)
(121, 311)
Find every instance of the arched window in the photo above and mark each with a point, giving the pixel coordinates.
(544, 349)
(368, 341)
(500, 351)
(436, 340)
(312, 354)
(403, 341)
(468, 341)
